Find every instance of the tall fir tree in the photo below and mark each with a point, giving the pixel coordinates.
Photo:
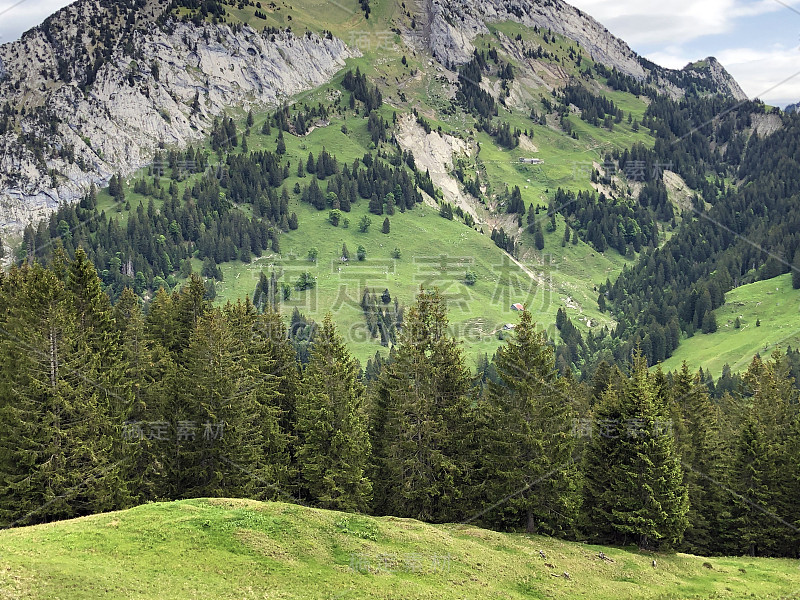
(694, 421)
(529, 477)
(57, 452)
(148, 372)
(647, 480)
(422, 395)
(264, 376)
(214, 437)
(634, 481)
(334, 447)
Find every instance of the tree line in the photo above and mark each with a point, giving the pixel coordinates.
(103, 406)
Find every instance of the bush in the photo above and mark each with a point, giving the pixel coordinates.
(334, 217)
(470, 277)
(396, 253)
(361, 253)
(305, 282)
(364, 223)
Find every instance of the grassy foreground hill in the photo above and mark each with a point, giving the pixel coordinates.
(223, 548)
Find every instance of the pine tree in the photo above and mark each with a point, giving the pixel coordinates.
(538, 238)
(600, 454)
(215, 438)
(647, 479)
(753, 509)
(264, 374)
(57, 456)
(419, 418)
(528, 473)
(386, 226)
(334, 446)
(148, 372)
(695, 426)
(795, 268)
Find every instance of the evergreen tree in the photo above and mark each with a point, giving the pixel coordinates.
(795, 268)
(753, 511)
(601, 452)
(57, 452)
(634, 488)
(215, 439)
(386, 225)
(647, 479)
(333, 446)
(148, 371)
(265, 374)
(528, 473)
(538, 238)
(420, 415)
(695, 425)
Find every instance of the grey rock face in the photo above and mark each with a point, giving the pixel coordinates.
(453, 24)
(117, 123)
(449, 26)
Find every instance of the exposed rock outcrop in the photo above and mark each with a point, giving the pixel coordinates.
(448, 28)
(453, 24)
(711, 70)
(162, 84)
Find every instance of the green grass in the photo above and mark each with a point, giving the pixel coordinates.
(562, 276)
(241, 549)
(774, 302)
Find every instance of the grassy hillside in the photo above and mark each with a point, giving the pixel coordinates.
(434, 251)
(245, 549)
(774, 302)
(560, 275)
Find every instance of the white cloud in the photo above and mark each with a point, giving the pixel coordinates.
(652, 22)
(772, 75)
(655, 22)
(17, 17)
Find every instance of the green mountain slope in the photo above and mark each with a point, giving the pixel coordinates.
(772, 302)
(245, 549)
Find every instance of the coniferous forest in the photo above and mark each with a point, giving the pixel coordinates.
(117, 405)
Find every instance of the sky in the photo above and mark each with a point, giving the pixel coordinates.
(758, 41)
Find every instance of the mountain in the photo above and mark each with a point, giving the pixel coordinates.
(449, 26)
(546, 143)
(712, 71)
(100, 85)
(792, 107)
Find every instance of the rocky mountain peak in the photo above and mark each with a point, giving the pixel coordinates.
(100, 85)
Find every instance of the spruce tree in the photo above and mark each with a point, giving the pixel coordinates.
(57, 457)
(695, 425)
(422, 411)
(215, 439)
(647, 479)
(333, 445)
(753, 507)
(148, 373)
(264, 374)
(602, 451)
(528, 473)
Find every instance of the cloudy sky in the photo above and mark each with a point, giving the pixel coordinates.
(758, 41)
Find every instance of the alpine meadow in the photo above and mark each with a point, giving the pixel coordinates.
(394, 299)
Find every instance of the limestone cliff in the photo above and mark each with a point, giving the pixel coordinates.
(100, 85)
